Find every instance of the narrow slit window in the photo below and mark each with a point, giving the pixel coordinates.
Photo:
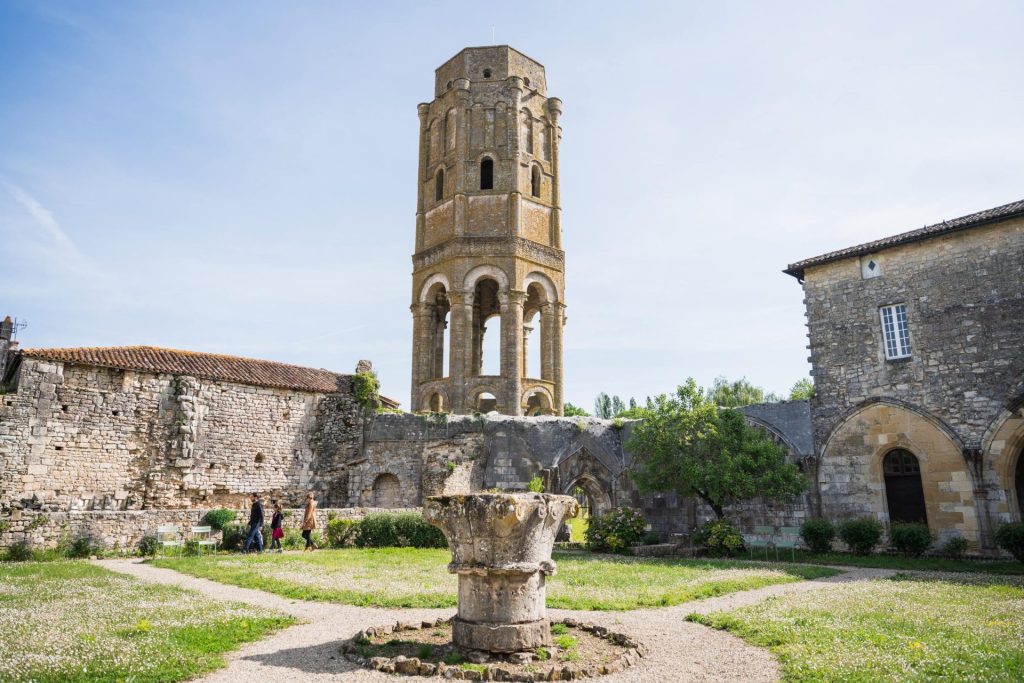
(895, 331)
(535, 181)
(487, 174)
(439, 186)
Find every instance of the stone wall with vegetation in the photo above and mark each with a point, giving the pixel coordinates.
(79, 438)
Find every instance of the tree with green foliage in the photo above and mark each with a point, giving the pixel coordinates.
(607, 407)
(728, 394)
(802, 390)
(571, 410)
(686, 444)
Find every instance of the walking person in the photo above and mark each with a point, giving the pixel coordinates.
(255, 525)
(277, 528)
(309, 522)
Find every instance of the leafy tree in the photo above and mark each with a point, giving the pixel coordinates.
(802, 390)
(687, 445)
(607, 407)
(570, 410)
(728, 394)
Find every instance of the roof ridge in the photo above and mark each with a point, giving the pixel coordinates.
(970, 220)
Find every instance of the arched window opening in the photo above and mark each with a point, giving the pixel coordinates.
(436, 403)
(487, 73)
(486, 402)
(387, 492)
(537, 403)
(531, 344)
(439, 185)
(903, 490)
(486, 349)
(487, 174)
(535, 181)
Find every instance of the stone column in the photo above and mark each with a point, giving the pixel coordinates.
(548, 313)
(512, 351)
(555, 110)
(460, 347)
(556, 356)
(421, 205)
(501, 549)
(421, 324)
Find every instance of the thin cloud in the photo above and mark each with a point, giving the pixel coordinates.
(43, 218)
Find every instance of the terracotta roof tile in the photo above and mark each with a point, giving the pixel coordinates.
(969, 221)
(262, 373)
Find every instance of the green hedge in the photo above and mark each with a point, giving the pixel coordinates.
(397, 530)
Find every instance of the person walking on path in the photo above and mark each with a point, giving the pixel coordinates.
(255, 525)
(309, 522)
(277, 528)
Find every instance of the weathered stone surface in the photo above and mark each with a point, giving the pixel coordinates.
(501, 549)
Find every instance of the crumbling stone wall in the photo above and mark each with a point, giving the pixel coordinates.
(90, 438)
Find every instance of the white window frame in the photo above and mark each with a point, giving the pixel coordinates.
(895, 331)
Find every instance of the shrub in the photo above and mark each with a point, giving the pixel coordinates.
(818, 534)
(615, 532)
(1010, 537)
(19, 552)
(955, 547)
(365, 388)
(293, 539)
(340, 532)
(651, 538)
(911, 539)
(82, 546)
(720, 538)
(536, 485)
(148, 545)
(861, 535)
(398, 530)
(219, 519)
(233, 537)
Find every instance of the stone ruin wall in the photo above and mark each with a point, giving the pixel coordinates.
(81, 439)
(117, 452)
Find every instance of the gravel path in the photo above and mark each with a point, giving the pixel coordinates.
(679, 650)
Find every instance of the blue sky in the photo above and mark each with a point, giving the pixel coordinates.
(240, 177)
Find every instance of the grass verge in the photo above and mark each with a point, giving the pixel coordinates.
(938, 564)
(73, 621)
(920, 629)
(408, 577)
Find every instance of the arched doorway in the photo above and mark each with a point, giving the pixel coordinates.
(1018, 481)
(903, 491)
(387, 492)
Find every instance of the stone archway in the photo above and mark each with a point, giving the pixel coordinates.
(598, 500)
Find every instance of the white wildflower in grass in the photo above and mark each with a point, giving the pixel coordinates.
(72, 621)
(409, 577)
(931, 628)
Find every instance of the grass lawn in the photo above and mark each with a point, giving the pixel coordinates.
(407, 577)
(72, 621)
(942, 629)
(578, 526)
(939, 564)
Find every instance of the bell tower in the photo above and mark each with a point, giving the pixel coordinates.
(489, 259)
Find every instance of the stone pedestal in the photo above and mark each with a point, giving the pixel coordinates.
(501, 549)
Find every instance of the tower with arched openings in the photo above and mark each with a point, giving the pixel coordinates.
(488, 272)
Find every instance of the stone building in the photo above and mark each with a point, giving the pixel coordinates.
(489, 257)
(917, 348)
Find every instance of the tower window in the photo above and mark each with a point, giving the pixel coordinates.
(895, 331)
(487, 73)
(535, 181)
(487, 174)
(439, 185)
(526, 82)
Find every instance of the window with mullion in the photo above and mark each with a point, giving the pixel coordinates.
(895, 331)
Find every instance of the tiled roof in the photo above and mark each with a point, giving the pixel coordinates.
(972, 220)
(262, 373)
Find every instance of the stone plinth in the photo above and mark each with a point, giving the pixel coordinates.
(501, 549)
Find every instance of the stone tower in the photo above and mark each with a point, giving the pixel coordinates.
(489, 259)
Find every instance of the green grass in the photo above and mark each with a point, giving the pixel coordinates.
(73, 621)
(578, 527)
(407, 577)
(968, 629)
(940, 564)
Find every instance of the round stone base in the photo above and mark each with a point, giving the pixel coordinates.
(501, 637)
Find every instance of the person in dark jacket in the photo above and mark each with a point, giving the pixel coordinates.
(277, 528)
(255, 525)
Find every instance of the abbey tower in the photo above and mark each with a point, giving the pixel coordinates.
(489, 259)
